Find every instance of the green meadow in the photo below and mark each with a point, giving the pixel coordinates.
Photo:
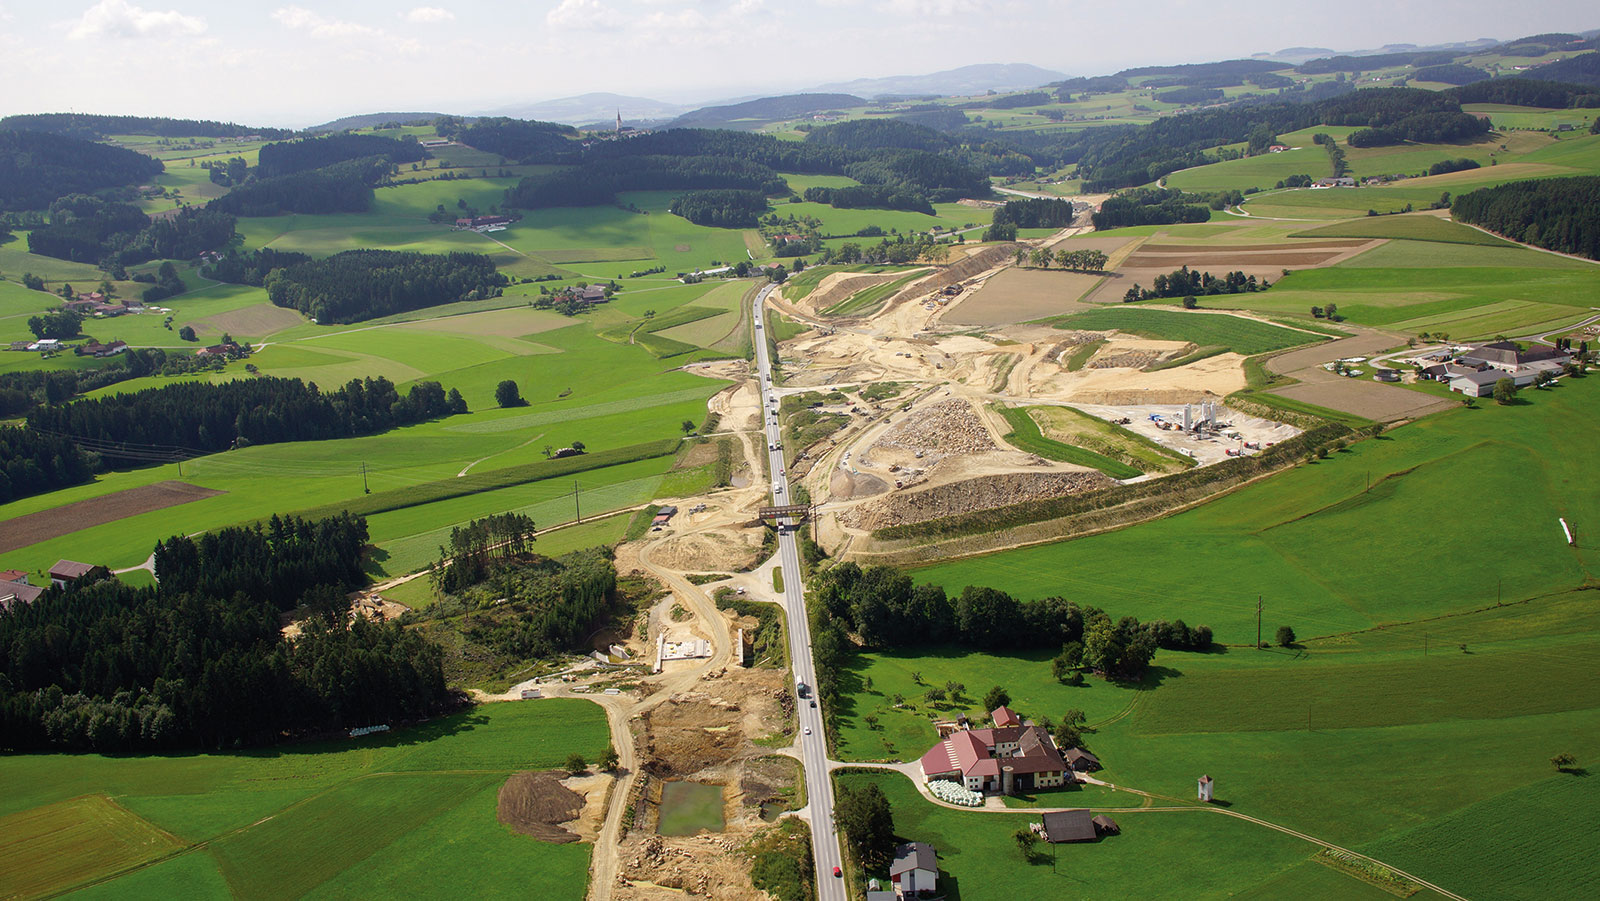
(1192, 853)
(1316, 541)
(579, 387)
(406, 811)
(1432, 678)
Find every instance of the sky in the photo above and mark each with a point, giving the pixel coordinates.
(300, 63)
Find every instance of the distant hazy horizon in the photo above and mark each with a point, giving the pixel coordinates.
(283, 64)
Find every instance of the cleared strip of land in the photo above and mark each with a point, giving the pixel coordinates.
(47, 524)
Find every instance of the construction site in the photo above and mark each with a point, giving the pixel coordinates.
(900, 414)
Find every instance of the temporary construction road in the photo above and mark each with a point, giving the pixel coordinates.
(813, 741)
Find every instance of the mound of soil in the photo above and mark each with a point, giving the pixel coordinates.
(846, 485)
(966, 496)
(536, 804)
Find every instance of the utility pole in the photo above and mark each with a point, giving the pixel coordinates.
(1258, 622)
(364, 487)
(576, 509)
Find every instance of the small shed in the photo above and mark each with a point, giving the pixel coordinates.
(1005, 716)
(1081, 760)
(1106, 825)
(1069, 826)
(1206, 788)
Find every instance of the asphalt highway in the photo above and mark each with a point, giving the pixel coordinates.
(813, 742)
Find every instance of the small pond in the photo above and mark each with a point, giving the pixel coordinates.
(690, 807)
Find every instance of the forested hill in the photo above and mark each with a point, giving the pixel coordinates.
(704, 159)
(765, 109)
(88, 126)
(341, 188)
(1582, 69)
(1111, 158)
(524, 141)
(37, 167)
(1560, 214)
(1528, 92)
(289, 157)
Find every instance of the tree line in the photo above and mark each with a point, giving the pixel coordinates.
(1422, 128)
(1186, 282)
(524, 141)
(1150, 206)
(344, 187)
(363, 284)
(306, 154)
(172, 421)
(252, 267)
(86, 229)
(874, 197)
(278, 561)
(1560, 214)
(101, 665)
(598, 182)
(31, 463)
(1035, 212)
(90, 127)
(23, 389)
(722, 208)
(37, 167)
(885, 609)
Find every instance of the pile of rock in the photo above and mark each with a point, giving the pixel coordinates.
(1128, 359)
(945, 428)
(985, 493)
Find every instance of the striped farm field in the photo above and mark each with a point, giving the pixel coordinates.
(54, 847)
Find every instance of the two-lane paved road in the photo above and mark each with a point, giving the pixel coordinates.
(813, 742)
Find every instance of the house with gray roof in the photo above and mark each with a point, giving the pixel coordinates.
(915, 869)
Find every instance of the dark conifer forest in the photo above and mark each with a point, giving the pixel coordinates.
(364, 284)
(1560, 214)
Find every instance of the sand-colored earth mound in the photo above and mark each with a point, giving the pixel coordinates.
(718, 549)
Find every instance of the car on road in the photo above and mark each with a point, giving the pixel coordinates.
(813, 703)
(837, 871)
(808, 730)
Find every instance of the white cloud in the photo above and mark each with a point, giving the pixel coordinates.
(323, 28)
(428, 14)
(941, 7)
(584, 15)
(121, 19)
